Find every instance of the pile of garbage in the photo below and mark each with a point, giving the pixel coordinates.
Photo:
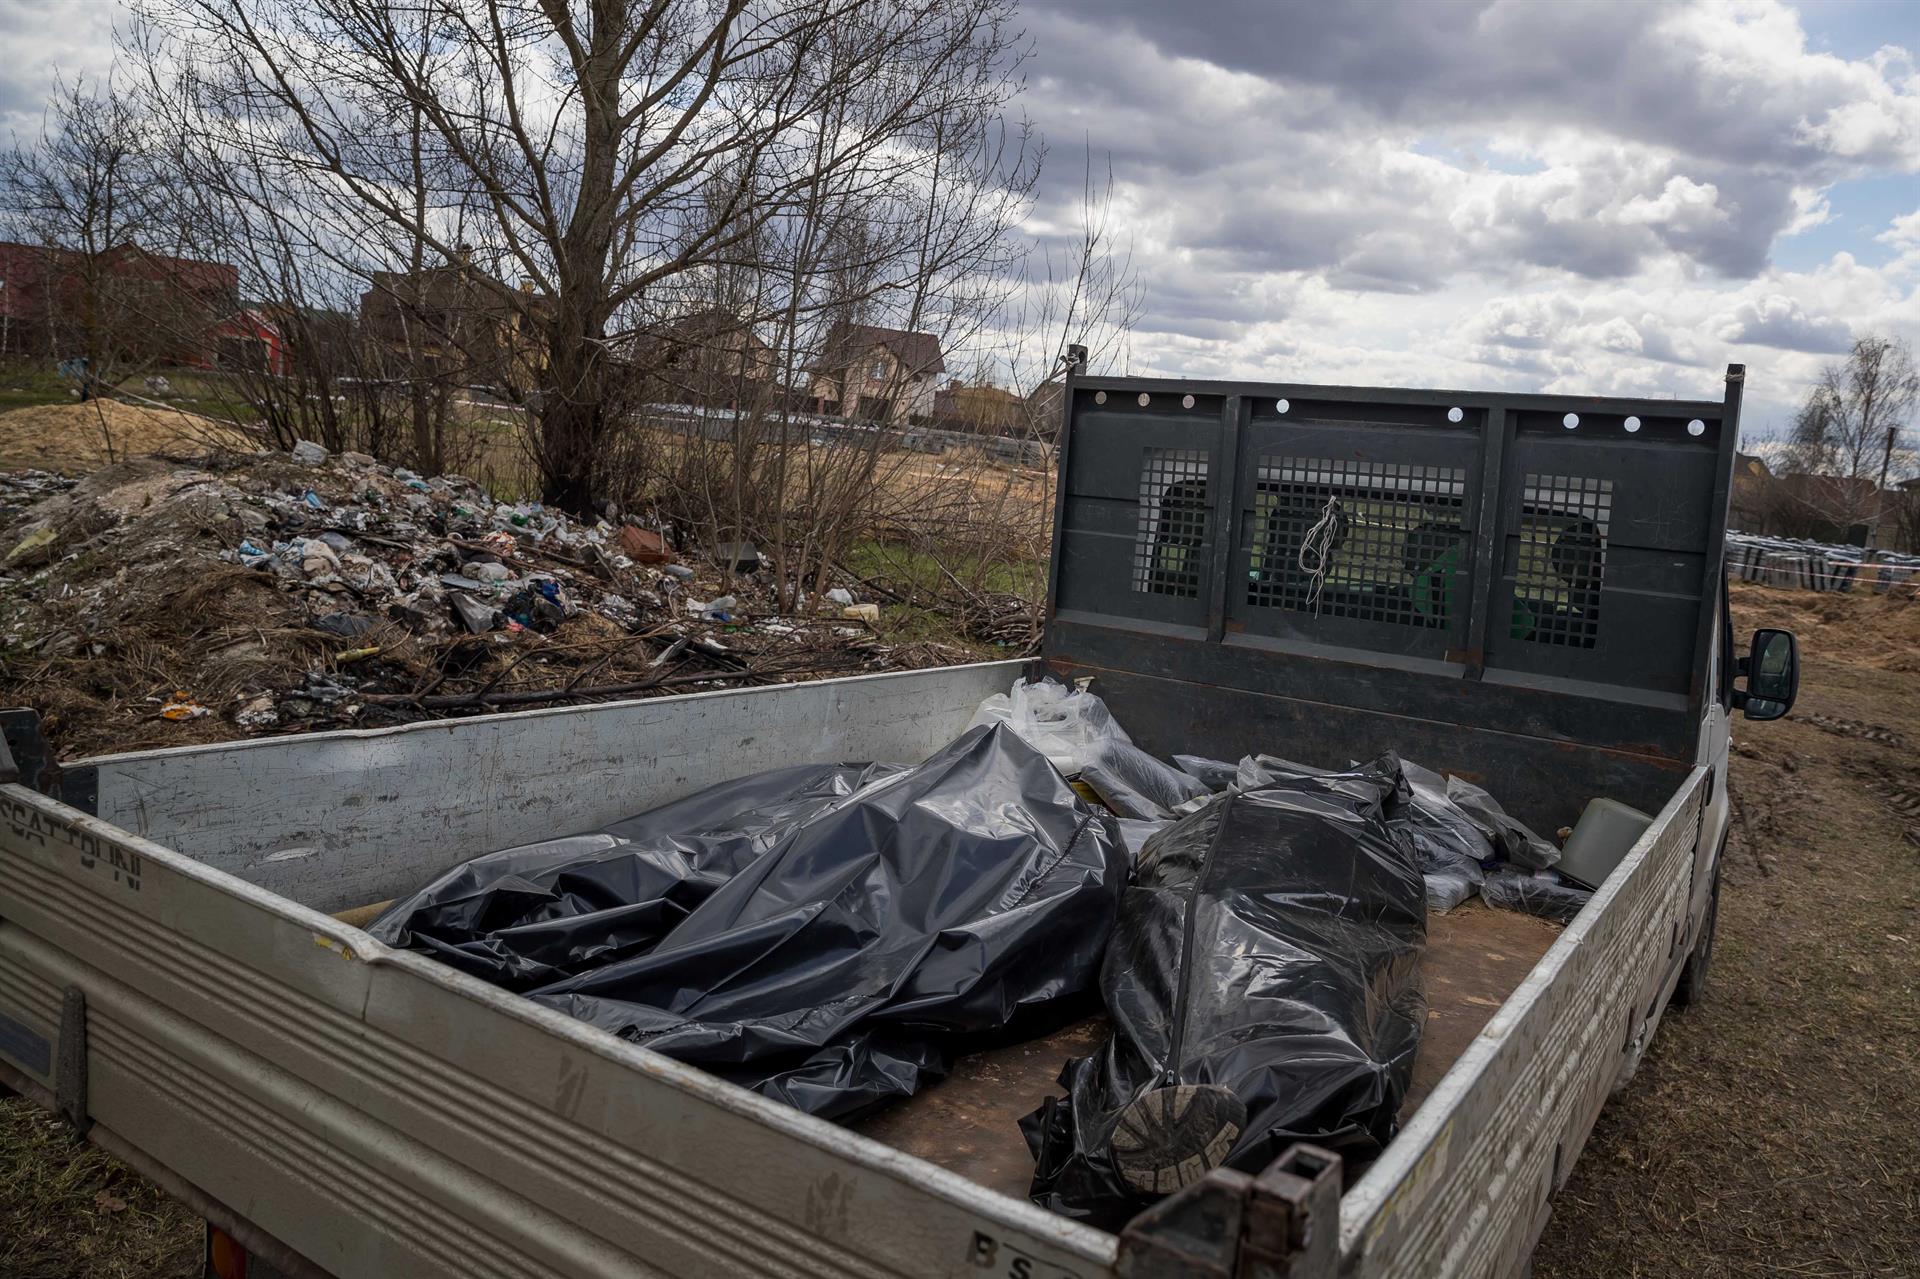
(156, 603)
(24, 489)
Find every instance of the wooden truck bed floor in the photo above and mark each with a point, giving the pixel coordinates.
(969, 1123)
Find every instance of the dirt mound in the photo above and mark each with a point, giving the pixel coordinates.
(158, 603)
(1855, 628)
(76, 438)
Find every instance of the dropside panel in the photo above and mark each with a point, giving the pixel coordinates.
(338, 820)
(385, 1116)
(1463, 1190)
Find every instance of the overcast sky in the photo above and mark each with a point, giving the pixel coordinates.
(1612, 197)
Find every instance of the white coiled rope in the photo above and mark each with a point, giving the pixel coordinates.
(1316, 550)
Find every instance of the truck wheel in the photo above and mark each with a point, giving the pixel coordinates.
(1693, 978)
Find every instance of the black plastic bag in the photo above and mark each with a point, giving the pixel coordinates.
(1446, 890)
(841, 966)
(1530, 893)
(528, 916)
(1448, 840)
(1512, 838)
(1450, 846)
(1264, 987)
(1214, 774)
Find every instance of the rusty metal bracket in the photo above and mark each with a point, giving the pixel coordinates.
(1283, 1224)
(70, 1066)
(1291, 1229)
(1193, 1234)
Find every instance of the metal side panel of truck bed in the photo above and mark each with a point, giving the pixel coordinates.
(1463, 1189)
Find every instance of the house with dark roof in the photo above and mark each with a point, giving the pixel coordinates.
(709, 357)
(457, 321)
(876, 374)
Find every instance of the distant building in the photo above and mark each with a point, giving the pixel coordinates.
(877, 374)
(456, 321)
(711, 357)
(1044, 406)
(1755, 493)
(984, 409)
(125, 303)
(249, 340)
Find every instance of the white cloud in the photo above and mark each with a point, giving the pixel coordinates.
(1582, 195)
(1577, 196)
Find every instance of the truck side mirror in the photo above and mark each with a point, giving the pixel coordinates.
(1772, 668)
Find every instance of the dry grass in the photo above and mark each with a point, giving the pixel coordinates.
(69, 1210)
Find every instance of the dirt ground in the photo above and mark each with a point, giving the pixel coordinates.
(1770, 1131)
(77, 438)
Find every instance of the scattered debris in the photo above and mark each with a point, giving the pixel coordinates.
(643, 545)
(315, 590)
(736, 557)
(182, 706)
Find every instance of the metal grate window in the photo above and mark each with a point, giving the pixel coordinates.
(1169, 554)
(1562, 557)
(1394, 541)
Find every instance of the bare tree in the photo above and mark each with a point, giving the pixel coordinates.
(90, 194)
(1845, 435)
(581, 131)
(918, 244)
(1085, 293)
(985, 554)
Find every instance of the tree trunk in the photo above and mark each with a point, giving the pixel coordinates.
(572, 426)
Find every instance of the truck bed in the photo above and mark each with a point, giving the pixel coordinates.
(969, 1122)
(168, 975)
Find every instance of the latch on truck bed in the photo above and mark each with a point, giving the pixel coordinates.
(1282, 1224)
